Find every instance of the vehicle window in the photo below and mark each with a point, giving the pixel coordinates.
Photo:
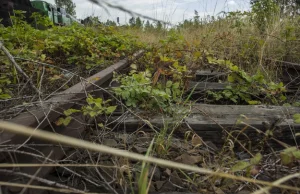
(49, 7)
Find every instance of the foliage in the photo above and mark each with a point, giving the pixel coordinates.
(136, 23)
(290, 155)
(95, 107)
(238, 20)
(143, 179)
(247, 89)
(286, 6)
(241, 165)
(264, 13)
(296, 117)
(4, 92)
(76, 47)
(41, 21)
(148, 26)
(137, 89)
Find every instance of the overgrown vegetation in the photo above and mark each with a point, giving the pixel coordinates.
(249, 48)
(50, 53)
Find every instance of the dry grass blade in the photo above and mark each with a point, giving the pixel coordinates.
(54, 165)
(19, 69)
(36, 173)
(278, 182)
(22, 130)
(39, 187)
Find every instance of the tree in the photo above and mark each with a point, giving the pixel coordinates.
(132, 22)
(286, 6)
(138, 23)
(68, 5)
(196, 19)
(159, 26)
(110, 23)
(147, 25)
(265, 13)
(91, 20)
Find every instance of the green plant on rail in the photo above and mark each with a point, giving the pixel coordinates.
(246, 89)
(95, 107)
(289, 156)
(4, 92)
(245, 165)
(137, 89)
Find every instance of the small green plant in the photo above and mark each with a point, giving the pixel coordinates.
(247, 89)
(143, 182)
(95, 107)
(41, 21)
(243, 165)
(137, 89)
(290, 155)
(4, 92)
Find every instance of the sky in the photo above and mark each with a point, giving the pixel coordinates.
(172, 11)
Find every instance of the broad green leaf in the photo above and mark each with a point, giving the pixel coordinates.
(257, 158)
(98, 102)
(133, 66)
(230, 78)
(43, 57)
(169, 84)
(5, 96)
(286, 158)
(241, 165)
(235, 68)
(92, 113)
(63, 121)
(296, 154)
(70, 111)
(168, 91)
(90, 99)
(253, 102)
(197, 54)
(110, 109)
(100, 125)
(296, 118)
(287, 105)
(175, 85)
(296, 104)
(59, 122)
(289, 150)
(67, 121)
(282, 98)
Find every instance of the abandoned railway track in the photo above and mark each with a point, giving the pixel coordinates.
(210, 122)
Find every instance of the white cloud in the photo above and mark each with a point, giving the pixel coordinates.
(231, 3)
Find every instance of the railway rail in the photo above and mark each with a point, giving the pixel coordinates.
(210, 122)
